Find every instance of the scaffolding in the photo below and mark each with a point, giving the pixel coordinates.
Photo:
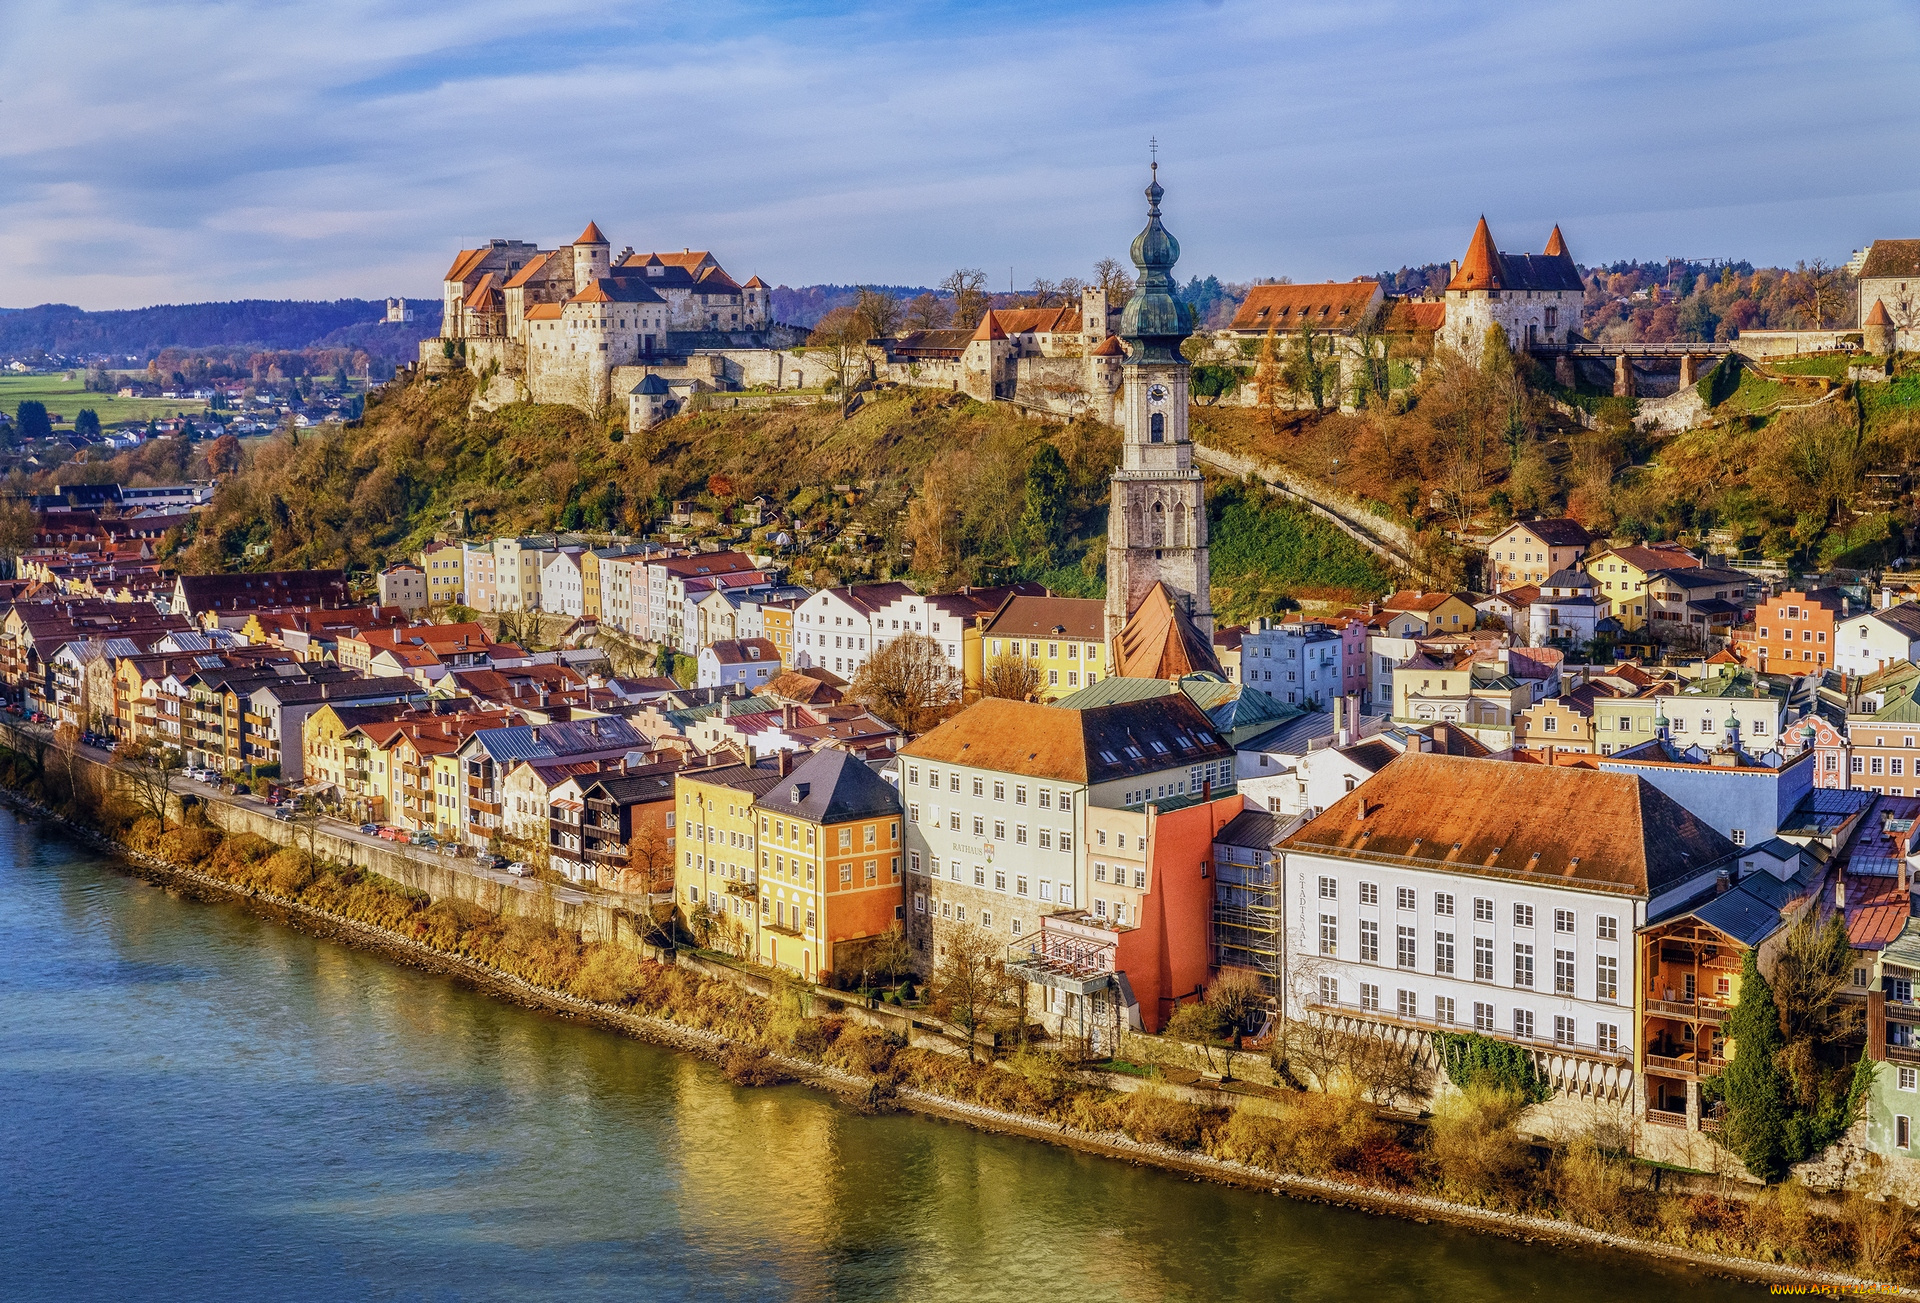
(1246, 913)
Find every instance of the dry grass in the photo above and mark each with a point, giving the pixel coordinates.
(1474, 1151)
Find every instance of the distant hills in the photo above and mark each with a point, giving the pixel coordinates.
(63, 330)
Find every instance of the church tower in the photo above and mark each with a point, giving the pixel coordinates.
(1157, 519)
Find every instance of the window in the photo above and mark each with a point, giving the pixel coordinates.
(1523, 1023)
(1909, 1078)
(1482, 1017)
(979, 826)
(1369, 996)
(999, 791)
(1443, 953)
(913, 814)
(1046, 839)
(1099, 871)
(999, 880)
(1329, 889)
(1562, 1030)
(1563, 921)
(1606, 979)
(1019, 793)
(1329, 990)
(913, 775)
(1443, 904)
(1739, 835)
(1020, 834)
(1140, 878)
(1482, 910)
(1522, 915)
(1606, 927)
(1443, 1010)
(1329, 935)
(1405, 949)
(999, 830)
(1369, 893)
(1406, 1004)
(1563, 972)
(1066, 841)
(1483, 959)
(1369, 942)
(979, 876)
(1522, 964)
(1403, 898)
(1902, 1131)
(1020, 885)
(979, 787)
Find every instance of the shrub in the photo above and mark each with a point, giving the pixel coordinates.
(1153, 1117)
(751, 1065)
(865, 1050)
(1475, 1060)
(606, 976)
(1474, 1149)
(1593, 1183)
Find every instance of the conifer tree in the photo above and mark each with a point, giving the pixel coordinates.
(1756, 1094)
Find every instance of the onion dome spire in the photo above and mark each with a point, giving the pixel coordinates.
(1153, 322)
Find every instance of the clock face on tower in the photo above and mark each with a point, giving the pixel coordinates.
(1156, 393)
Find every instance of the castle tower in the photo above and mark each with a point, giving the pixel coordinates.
(1157, 520)
(591, 257)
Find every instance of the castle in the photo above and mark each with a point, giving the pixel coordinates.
(1535, 297)
(576, 325)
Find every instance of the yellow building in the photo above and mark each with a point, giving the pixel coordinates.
(1620, 576)
(445, 564)
(776, 622)
(716, 881)
(1557, 723)
(1064, 638)
(1434, 613)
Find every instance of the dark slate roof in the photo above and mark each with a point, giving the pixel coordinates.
(1256, 828)
(654, 783)
(1373, 755)
(546, 741)
(1892, 258)
(1742, 916)
(832, 786)
(1291, 738)
(1558, 532)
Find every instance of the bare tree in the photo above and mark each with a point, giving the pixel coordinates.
(892, 953)
(650, 857)
(971, 979)
(306, 826)
(879, 314)
(66, 740)
(968, 285)
(1267, 382)
(1815, 290)
(1236, 998)
(1114, 280)
(928, 312)
(1012, 676)
(906, 683)
(150, 769)
(840, 338)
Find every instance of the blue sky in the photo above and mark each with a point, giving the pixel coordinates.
(170, 152)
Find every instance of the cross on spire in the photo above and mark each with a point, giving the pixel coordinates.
(1153, 150)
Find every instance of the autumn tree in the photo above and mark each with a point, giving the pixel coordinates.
(905, 682)
(1267, 382)
(17, 527)
(968, 286)
(223, 455)
(1306, 368)
(1114, 280)
(649, 858)
(928, 312)
(1011, 676)
(1816, 292)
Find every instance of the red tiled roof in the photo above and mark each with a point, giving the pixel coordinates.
(463, 264)
(1335, 305)
(527, 272)
(1109, 347)
(591, 235)
(1480, 269)
(1159, 641)
(1879, 316)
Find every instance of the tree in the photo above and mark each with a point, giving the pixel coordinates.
(150, 769)
(928, 312)
(841, 338)
(1114, 280)
(1043, 519)
(879, 314)
(1756, 1094)
(1014, 677)
(971, 979)
(17, 526)
(1267, 382)
(905, 682)
(306, 826)
(87, 422)
(31, 417)
(66, 740)
(1237, 998)
(223, 455)
(1816, 291)
(650, 857)
(968, 286)
(892, 953)
(1306, 367)
(1211, 381)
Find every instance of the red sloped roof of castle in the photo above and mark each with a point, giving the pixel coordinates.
(1480, 269)
(1556, 244)
(463, 264)
(1159, 641)
(713, 278)
(591, 235)
(530, 270)
(1110, 347)
(1037, 321)
(1335, 305)
(1879, 315)
(1411, 315)
(989, 328)
(755, 284)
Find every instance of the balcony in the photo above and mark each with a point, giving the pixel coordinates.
(1065, 961)
(1903, 1053)
(1662, 1117)
(742, 888)
(1684, 1065)
(1691, 1010)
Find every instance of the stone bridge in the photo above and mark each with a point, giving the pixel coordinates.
(1624, 356)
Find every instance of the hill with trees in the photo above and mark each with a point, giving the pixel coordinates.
(60, 329)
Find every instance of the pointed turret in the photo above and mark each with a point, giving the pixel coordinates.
(1879, 316)
(989, 328)
(1556, 245)
(591, 235)
(1480, 269)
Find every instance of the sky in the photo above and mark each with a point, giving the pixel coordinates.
(155, 152)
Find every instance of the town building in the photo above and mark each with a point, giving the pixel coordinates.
(1062, 638)
(403, 584)
(1796, 632)
(629, 827)
(1698, 607)
(1567, 613)
(1873, 640)
(1623, 574)
(748, 662)
(1451, 894)
(1527, 551)
(1420, 614)
(1745, 792)
(1535, 298)
(445, 567)
(1890, 277)
(221, 596)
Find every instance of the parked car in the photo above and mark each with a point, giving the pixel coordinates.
(425, 839)
(283, 815)
(520, 869)
(487, 861)
(451, 848)
(369, 828)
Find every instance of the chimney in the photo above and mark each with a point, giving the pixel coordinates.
(1840, 889)
(783, 761)
(1722, 881)
(1360, 812)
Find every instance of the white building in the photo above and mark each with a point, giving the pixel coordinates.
(517, 563)
(1877, 639)
(751, 661)
(1566, 612)
(833, 629)
(1467, 895)
(1300, 663)
(561, 588)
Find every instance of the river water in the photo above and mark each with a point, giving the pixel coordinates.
(198, 1104)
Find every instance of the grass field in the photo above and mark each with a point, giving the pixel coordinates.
(67, 397)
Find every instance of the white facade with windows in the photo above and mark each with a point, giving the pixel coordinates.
(1546, 966)
(1301, 664)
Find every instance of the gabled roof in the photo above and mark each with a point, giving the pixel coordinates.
(1557, 531)
(1410, 316)
(1083, 619)
(832, 786)
(529, 269)
(1664, 556)
(1160, 641)
(989, 328)
(1903, 619)
(1485, 268)
(744, 651)
(1257, 828)
(1109, 347)
(616, 289)
(1892, 258)
(1414, 601)
(464, 262)
(1529, 823)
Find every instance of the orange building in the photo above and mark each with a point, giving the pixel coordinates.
(1794, 631)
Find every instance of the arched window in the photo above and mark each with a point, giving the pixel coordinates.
(1158, 529)
(1157, 428)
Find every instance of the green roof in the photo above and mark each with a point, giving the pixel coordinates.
(1236, 710)
(1904, 950)
(1901, 710)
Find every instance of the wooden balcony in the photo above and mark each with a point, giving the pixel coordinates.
(1661, 1117)
(1684, 1067)
(1691, 1010)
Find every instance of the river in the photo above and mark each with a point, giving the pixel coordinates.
(198, 1104)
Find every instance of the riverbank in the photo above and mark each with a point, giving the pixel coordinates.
(1294, 1147)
